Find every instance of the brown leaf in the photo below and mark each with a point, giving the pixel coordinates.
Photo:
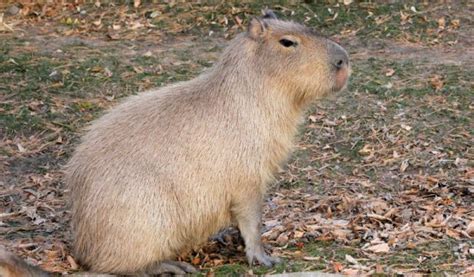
(389, 72)
(351, 272)
(337, 266)
(299, 245)
(455, 23)
(470, 228)
(351, 259)
(379, 268)
(366, 150)
(113, 36)
(340, 234)
(218, 262)
(72, 262)
(437, 82)
(382, 19)
(404, 18)
(453, 233)
(196, 261)
(404, 165)
(411, 245)
(97, 22)
(379, 248)
(21, 149)
(441, 23)
(309, 258)
(405, 126)
(282, 239)
(298, 234)
(96, 69)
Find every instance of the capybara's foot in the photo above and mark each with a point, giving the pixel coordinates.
(172, 267)
(262, 258)
(226, 236)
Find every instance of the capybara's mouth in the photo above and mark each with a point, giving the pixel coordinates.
(342, 75)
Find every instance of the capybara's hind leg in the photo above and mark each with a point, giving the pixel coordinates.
(171, 267)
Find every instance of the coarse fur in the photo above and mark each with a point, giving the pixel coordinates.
(12, 266)
(167, 168)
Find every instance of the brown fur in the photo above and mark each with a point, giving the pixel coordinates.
(12, 266)
(167, 168)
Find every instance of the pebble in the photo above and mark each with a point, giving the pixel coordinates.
(13, 10)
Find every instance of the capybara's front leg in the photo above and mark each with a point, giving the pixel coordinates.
(248, 214)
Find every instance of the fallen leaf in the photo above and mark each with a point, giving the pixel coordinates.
(470, 228)
(436, 82)
(72, 262)
(113, 36)
(340, 234)
(453, 233)
(379, 268)
(351, 259)
(411, 245)
(404, 18)
(107, 72)
(366, 150)
(460, 162)
(379, 248)
(405, 126)
(97, 22)
(441, 23)
(4, 26)
(455, 23)
(196, 261)
(389, 72)
(312, 118)
(404, 166)
(308, 258)
(337, 266)
(20, 148)
(298, 234)
(238, 20)
(352, 272)
(282, 239)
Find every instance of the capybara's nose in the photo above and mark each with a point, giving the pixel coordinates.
(338, 56)
(340, 63)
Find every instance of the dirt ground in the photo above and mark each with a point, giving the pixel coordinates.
(382, 180)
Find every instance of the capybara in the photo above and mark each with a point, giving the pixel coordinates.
(166, 169)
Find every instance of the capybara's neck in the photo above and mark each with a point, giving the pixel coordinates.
(235, 76)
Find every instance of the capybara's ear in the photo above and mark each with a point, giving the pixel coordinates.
(268, 14)
(257, 28)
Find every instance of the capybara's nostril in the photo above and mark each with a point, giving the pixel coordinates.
(339, 64)
(340, 59)
(338, 56)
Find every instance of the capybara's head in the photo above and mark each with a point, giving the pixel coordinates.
(296, 58)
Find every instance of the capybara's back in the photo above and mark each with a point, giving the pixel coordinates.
(167, 168)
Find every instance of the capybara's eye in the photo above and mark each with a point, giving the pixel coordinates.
(288, 43)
